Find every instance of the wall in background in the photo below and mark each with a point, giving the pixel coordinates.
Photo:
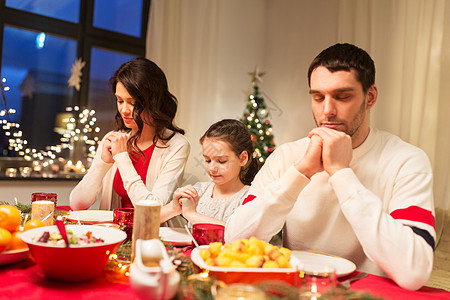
(207, 49)
(296, 32)
(22, 189)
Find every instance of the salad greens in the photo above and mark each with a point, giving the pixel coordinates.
(55, 238)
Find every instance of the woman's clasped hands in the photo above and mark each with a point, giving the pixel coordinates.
(114, 143)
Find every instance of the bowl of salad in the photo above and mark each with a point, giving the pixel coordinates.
(85, 257)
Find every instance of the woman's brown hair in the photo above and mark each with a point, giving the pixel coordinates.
(147, 84)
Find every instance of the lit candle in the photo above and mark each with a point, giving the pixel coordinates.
(40, 209)
(37, 167)
(314, 290)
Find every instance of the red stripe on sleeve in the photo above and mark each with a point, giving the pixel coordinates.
(415, 213)
(248, 199)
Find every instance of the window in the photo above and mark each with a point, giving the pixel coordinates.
(42, 43)
(67, 10)
(109, 15)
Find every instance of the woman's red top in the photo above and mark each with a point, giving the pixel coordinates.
(140, 163)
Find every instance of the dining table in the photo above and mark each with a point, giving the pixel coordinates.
(25, 280)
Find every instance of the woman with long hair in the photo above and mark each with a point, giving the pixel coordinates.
(144, 157)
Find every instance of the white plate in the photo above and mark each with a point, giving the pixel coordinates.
(175, 235)
(198, 260)
(90, 216)
(341, 265)
(13, 256)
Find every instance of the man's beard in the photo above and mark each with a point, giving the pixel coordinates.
(354, 125)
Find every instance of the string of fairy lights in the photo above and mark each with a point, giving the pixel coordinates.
(256, 118)
(251, 118)
(79, 127)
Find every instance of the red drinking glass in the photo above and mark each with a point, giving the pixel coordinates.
(44, 196)
(124, 218)
(205, 233)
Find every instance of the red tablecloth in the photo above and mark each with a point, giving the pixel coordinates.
(25, 280)
(386, 288)
(63, 208)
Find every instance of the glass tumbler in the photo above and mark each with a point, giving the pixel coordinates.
(205, 233)
(124, 218)
(316, 280)
(240, 291)
(44, 196)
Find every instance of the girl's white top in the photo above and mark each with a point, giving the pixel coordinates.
(220, 209)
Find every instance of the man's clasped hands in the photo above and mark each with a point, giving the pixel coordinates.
(329, 150)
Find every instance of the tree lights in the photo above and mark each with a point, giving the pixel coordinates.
(256, 118)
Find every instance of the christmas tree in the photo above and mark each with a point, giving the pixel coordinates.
(256, 117)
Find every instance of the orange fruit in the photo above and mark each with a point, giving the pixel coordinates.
(10, 217)
(16, 241)
(33, 223)
(5, 239)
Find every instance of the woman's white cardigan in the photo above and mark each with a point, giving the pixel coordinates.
(164, 175)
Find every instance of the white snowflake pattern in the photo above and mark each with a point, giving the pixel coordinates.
(75, 77)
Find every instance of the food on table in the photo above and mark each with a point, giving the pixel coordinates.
(55, 238)
(246, 253)
(33, 223)
(10, 218)
(17, 242)
(5, 239)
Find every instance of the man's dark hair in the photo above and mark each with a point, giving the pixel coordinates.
(344, 57)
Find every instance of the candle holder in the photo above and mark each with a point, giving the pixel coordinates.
(37, 167)
(124, 218)
(240, 291)
(44, 196)
(11, 172)
(316, 280)
(146, 222)
(41, 209)
(25, 171)
(200, 286)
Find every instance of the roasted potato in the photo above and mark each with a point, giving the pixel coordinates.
(250, 253)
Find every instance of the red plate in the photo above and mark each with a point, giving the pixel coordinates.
(13, 256)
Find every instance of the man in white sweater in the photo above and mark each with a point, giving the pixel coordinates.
(347, 189)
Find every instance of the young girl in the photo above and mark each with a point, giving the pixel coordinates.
(144, 158)
(229, 161)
